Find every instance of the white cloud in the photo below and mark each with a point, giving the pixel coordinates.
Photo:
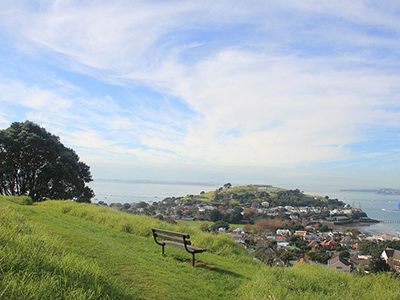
(254, 98)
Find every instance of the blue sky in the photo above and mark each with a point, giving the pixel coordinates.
(282, 92)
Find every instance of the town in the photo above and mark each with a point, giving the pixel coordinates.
(282, 227)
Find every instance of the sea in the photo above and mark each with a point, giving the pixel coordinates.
(376, 206)
(381, 207)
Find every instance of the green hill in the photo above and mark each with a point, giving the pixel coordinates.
(66, 250)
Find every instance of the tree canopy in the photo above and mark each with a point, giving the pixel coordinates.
(34, 162)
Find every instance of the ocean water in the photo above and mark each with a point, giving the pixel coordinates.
(133, 192)
(381, 207)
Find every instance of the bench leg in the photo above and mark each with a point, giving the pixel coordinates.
(193, 259)
(162, 249)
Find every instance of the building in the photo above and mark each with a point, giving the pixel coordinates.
(391, 253)
(283, 232)
(340, 264)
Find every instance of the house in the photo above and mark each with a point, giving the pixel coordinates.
(238, 230)
(391, 253)
(329, 244)
(392, 258)
(237, 237)
(340, 264)
(282, 244)
(301, 233)
(283, 232)
(313, 244)
(302, 261)
(312, 237)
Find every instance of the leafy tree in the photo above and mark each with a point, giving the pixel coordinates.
(289, 255)
(204, 227)
(34, 162)
(378, 265)
(215, 215)
(345, 254)
(220, 224)
(227, 185)
(318, 255)
(266, 255)
(324, 228)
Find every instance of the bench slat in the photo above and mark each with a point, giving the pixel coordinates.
(170, 232)
(168, 237)
(182, 246)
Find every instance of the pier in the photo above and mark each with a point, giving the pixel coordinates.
(390, 221)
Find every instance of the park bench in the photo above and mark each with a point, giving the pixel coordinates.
(176, 239)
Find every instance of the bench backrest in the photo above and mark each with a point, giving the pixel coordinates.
(167, 235)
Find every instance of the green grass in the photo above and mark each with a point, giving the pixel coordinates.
(196, 224)
(240, 190)
(66, 250)
(304, 282)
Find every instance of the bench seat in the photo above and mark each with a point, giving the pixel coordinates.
(182, 246)
(175, 239)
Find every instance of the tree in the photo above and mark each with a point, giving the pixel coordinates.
(220, 224)
(215, 215)
(227, 185)
(378, 265)
(204, 227)
(34, 162)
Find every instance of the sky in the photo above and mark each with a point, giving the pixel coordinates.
(290, 93)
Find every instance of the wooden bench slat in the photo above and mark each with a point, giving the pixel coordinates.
(171, 232)
(168, 237)
(179, 245)
(175, 239)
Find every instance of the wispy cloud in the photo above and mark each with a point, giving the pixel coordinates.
(250, 83)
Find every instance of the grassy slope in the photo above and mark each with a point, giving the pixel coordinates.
(90, 255)
(240, 190)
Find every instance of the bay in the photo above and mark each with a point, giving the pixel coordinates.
(381, 207)
(133, 192)
(376, 206)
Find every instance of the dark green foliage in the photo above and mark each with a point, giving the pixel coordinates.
(34, 162)
(378, 265)
(289, 255)
(324, 228)
(298, 242)
(344, 254)
(267, 256)
(318, 255)
(297, 198)
(376, 249)
(215, 215)
(220, 224)
(227, 185)
(234, 217)
(297, 226)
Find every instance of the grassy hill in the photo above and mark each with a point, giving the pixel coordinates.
(66, 250)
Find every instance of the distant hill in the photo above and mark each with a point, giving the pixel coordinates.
(67, 250)
(384, 191)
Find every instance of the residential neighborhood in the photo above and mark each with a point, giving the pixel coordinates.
(282, 227)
